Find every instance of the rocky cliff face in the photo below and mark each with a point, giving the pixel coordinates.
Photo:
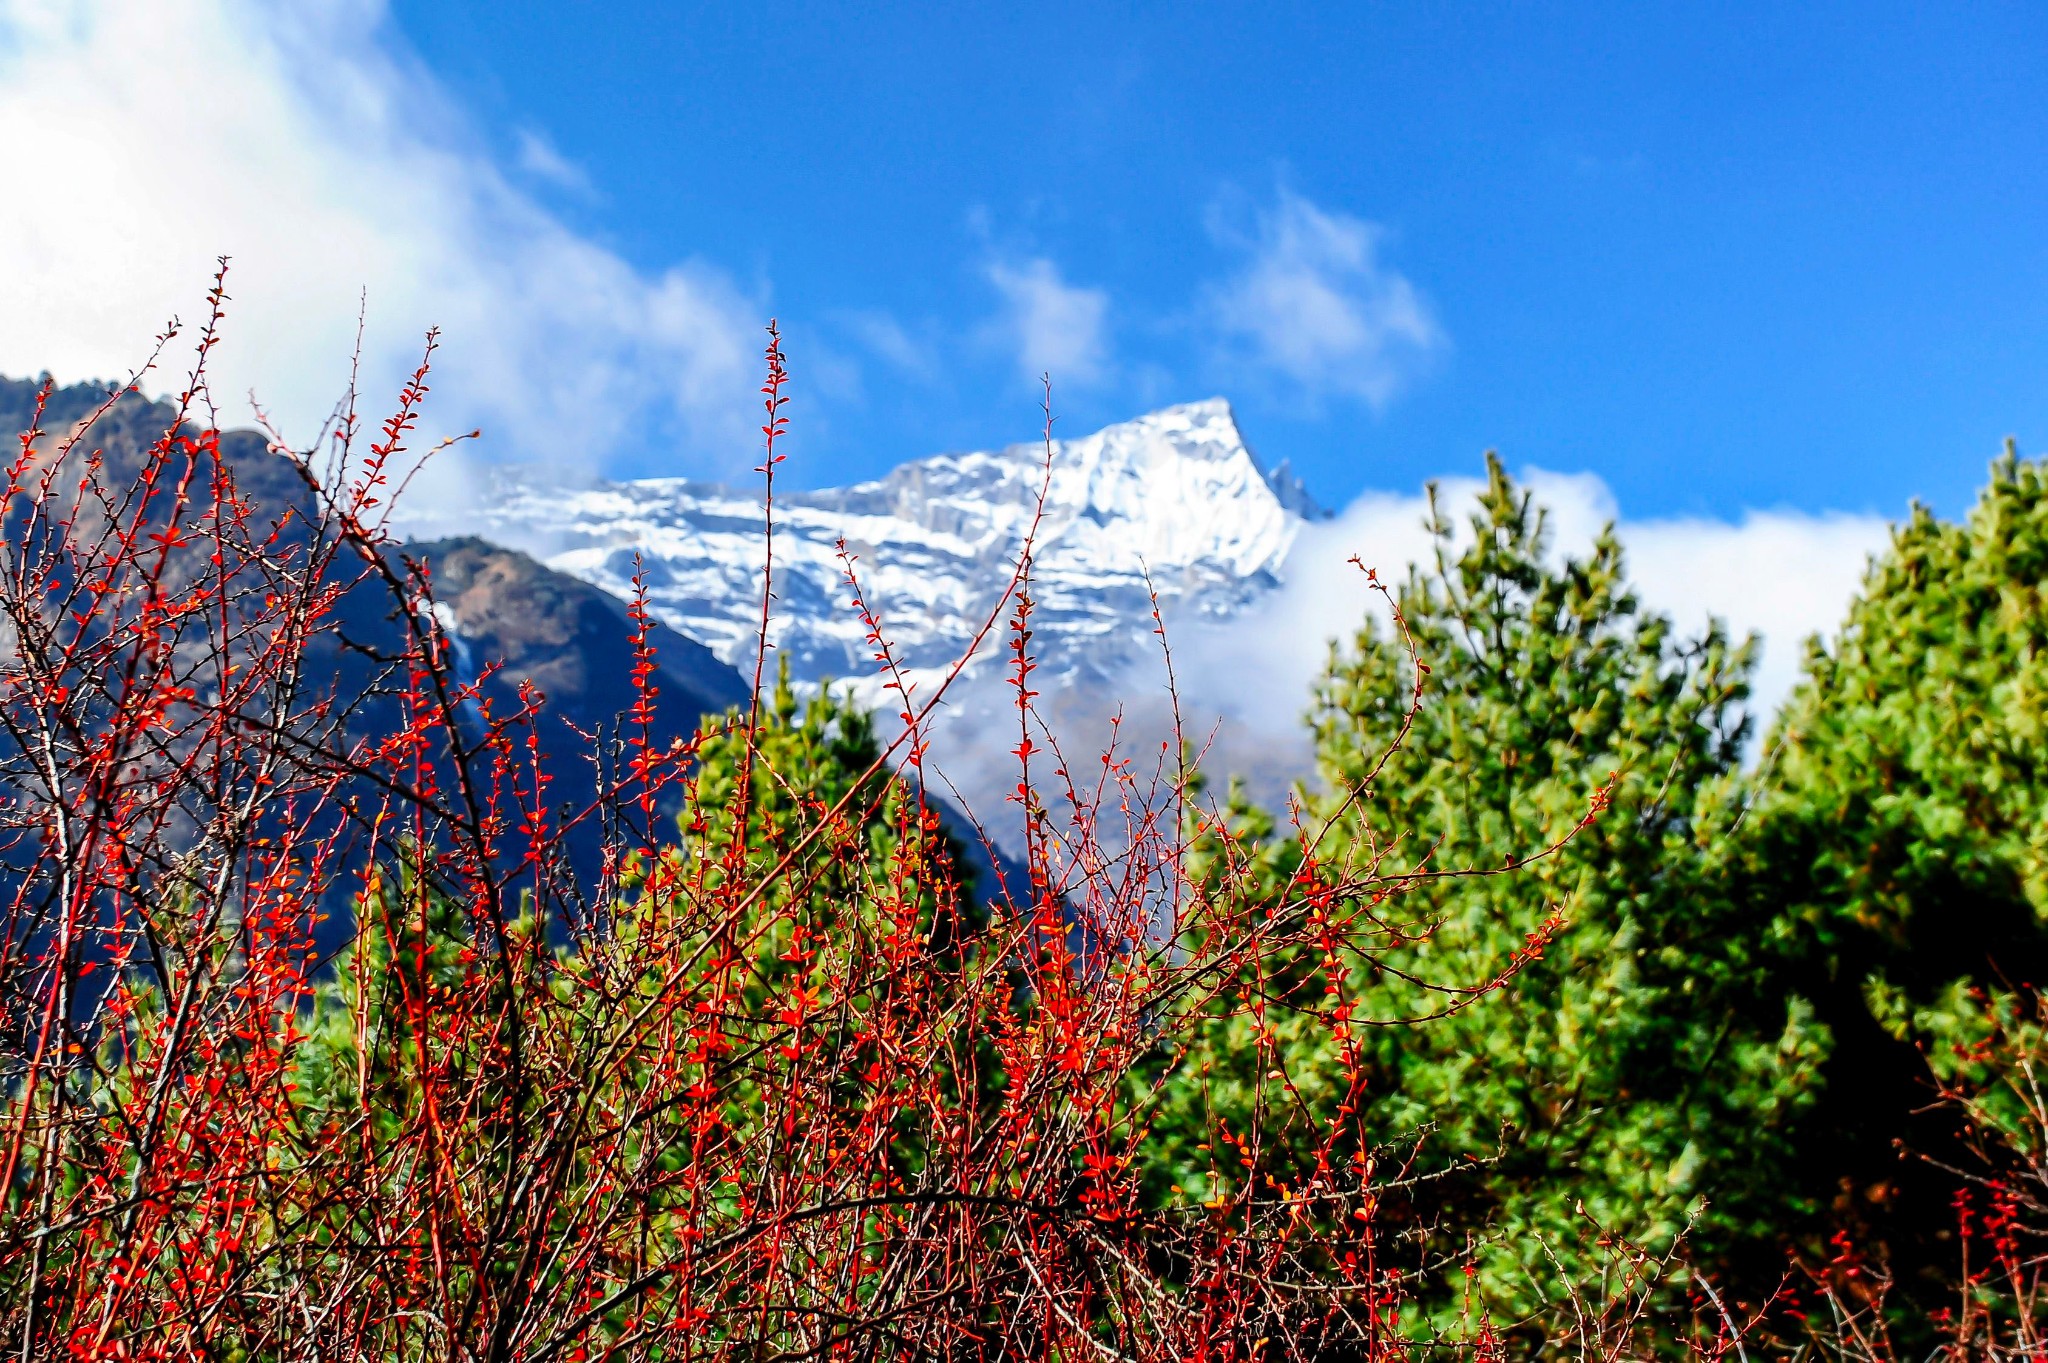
(1176, 497)
(1174, 501)
(568, 638)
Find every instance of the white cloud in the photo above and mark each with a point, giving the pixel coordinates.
(1783, 574)
(145, 137)
(1314, 306)
(1055, 327)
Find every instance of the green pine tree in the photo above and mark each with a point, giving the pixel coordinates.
(1899, 838)
(1636, 1076)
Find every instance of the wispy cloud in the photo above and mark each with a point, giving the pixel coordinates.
(886, 337)
(1313, 306)
(538, 156)
(145, 137)
(1053, 327)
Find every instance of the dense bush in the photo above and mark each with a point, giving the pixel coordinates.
(1540, 1027)
(765, 1082)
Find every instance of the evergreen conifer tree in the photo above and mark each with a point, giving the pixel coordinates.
(1637, 1074)
(1899, 842)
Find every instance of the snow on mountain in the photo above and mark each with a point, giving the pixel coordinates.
(1176, 493)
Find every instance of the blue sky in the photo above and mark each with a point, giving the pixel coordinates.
(1745, 258)
(1743, 281)
(1783, 257)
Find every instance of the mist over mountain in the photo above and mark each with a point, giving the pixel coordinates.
(1174, 503)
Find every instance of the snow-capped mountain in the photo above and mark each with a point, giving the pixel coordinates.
(1176, 494)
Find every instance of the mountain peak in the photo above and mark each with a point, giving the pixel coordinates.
(1173, 500)
(1207, 430)
(1210, 419)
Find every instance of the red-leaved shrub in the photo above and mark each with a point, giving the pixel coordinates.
(766, 1077)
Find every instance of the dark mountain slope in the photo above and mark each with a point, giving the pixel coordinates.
(572, 640)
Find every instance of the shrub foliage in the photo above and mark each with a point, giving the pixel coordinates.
(338, 1021)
